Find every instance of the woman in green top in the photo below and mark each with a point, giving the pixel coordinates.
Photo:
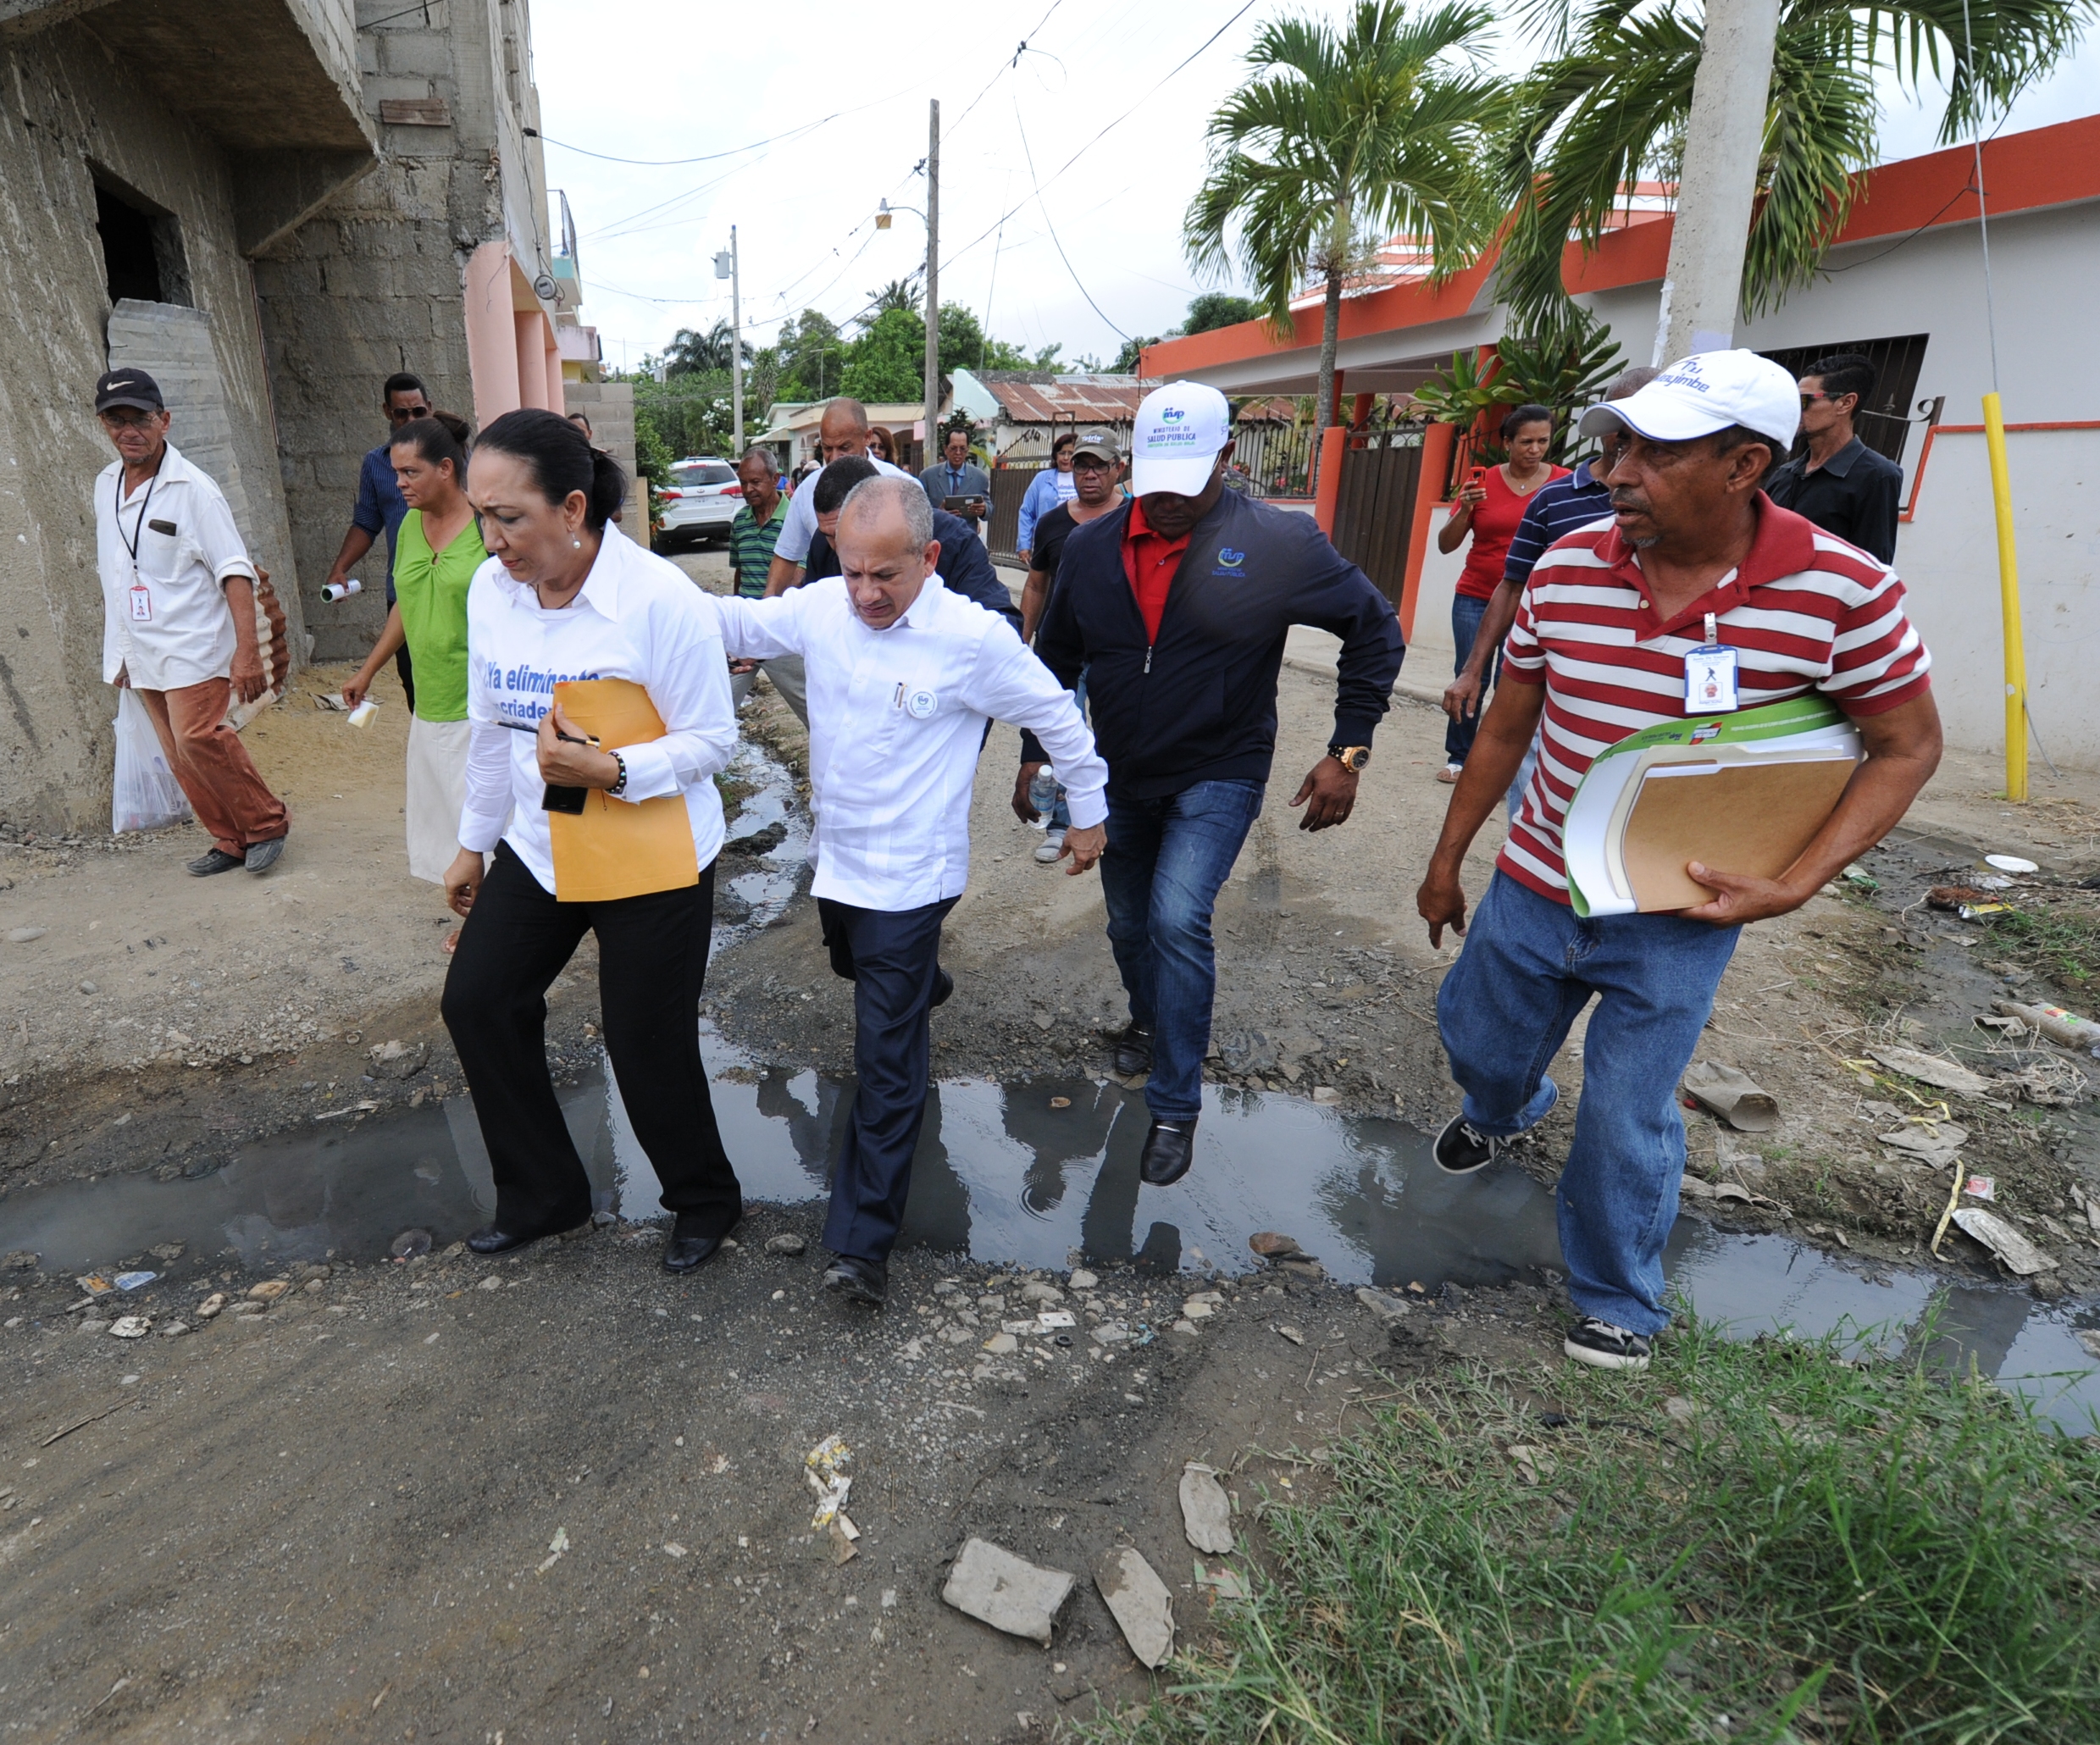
(435, 555)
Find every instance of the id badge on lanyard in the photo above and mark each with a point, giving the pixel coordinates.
(1709, 677)
(141, 600)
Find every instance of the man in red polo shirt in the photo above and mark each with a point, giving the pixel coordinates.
(1597, 652)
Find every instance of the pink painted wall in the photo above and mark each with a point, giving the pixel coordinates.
(491, 335)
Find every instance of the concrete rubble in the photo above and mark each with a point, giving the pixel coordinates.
(1009, 1593)
(1138, 1601)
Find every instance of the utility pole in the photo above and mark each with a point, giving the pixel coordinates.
(933, 278)
(1717, 184)
(727, 267)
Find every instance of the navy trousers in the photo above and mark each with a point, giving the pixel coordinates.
(892, 958)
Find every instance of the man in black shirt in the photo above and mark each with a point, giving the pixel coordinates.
(1096, 465)
(1841, 485)
(964, 566)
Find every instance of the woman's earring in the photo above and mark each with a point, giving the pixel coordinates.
(578, 543)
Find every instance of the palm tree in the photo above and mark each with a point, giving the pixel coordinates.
(1611, 101)
(898, 294)
(691, 353)
(1341, 140)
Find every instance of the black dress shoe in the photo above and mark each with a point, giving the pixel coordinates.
(858, 1280)
(688, 1249)
(943, 985)
(213, 861)
(1169, 1149)
(494, 1239)
(1134, 1052)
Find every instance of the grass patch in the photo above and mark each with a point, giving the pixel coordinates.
(2061, 941)
(1821, 1552)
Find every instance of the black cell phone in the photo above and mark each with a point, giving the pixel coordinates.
(563, 799)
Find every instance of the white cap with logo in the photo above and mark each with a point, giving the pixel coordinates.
(1706, 392)
(1180, 429)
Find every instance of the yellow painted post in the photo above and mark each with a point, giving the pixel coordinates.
(2008, 604)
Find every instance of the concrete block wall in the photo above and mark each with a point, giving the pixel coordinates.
(372, 284)
(66, 103)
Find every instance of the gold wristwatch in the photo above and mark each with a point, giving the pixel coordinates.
(1351, 757)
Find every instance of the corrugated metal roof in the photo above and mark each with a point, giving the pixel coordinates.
(1063, 400)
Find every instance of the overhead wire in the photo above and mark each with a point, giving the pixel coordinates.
(1043, 205)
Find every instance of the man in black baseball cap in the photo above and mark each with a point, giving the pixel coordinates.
(179, 620)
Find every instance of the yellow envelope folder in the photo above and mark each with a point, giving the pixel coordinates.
(619, 847)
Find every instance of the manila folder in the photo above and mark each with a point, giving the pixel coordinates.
(619, 848)
(1751, 818)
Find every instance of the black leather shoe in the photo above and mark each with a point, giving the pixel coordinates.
(858, 1280)
(943, 985)
(688, 1249)
(494, 1239)
(1169, 1149)
(1134, 1052)
(213, 861)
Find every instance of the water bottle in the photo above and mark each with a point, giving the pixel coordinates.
(1042, 792)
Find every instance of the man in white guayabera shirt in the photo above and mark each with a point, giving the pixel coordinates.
(903, 676)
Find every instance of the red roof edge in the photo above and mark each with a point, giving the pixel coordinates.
(2023, 172)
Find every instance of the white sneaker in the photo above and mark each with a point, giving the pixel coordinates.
(1051, 846)
(1603, 1346)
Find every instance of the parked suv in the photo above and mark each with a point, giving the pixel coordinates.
(699, 503)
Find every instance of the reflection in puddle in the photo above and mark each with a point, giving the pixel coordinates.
(1002, 1176)
(769, 821)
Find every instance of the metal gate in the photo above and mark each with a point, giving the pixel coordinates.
(1374, 509)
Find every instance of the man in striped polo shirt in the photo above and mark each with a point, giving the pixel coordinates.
(1598, 652)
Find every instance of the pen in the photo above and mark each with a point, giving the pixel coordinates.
(567, 738)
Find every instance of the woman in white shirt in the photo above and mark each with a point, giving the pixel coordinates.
(565, 598)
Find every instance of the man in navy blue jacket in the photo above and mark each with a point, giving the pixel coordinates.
(1176, 607)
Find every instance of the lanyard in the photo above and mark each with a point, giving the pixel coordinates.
(138, 526)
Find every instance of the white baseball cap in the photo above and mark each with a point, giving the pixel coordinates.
(1704, 393)
(1179, 430)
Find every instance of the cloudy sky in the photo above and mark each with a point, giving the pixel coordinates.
(1063, 177)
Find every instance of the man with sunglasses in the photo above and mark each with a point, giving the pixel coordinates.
(380, 505)
(1840, 483)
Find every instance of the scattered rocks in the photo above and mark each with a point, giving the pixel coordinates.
(1206, 1512)
(175, 1330)
(1273, 1245)
(786, 1243)
(131, 1326)
(21, 1261)
(312, 1272)
(1044, 1293)
(270, 1290)
(94, 1324)
(1292, 1334)
(211, 1305)
(1138, 1601)
(490, 1282)
(248, 1310)
(313, 1287)
(1083, 1280)
(1385, 1308)
(166, 1250)
(1002, 1344)
(409, 1244)
(89, 988)
(398, 1059)
(24, 935)
(994, 1587)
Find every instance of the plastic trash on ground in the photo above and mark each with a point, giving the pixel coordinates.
(990, 1584)
(1931, 1069)
(2020, 1256)
(1138, 1601)
(1206, 1513)
(1731, 1095)
(824, 1466)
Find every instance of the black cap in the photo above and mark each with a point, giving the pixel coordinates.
(129, 387)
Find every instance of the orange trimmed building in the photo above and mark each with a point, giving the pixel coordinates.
(1905, 281)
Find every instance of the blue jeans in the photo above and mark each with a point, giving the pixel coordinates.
(1166, 860)
(1466, 613)
(1529, 967)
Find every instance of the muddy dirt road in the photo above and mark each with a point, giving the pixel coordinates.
(562, 1497)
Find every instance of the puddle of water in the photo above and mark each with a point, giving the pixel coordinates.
(768, 813)
(1003, 1176)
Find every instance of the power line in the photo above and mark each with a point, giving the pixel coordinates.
(1043, 206)
(735, 151)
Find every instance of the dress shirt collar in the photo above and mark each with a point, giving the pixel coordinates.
(173, 470)
(600, 590)
(1584, 479)
(920, 611)
(1839, 464)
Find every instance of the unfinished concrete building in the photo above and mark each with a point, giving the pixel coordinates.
(271, 205)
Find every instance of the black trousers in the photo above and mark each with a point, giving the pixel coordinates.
(893, 961)
(652, 960)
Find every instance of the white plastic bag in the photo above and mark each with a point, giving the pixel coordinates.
(147, 795)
